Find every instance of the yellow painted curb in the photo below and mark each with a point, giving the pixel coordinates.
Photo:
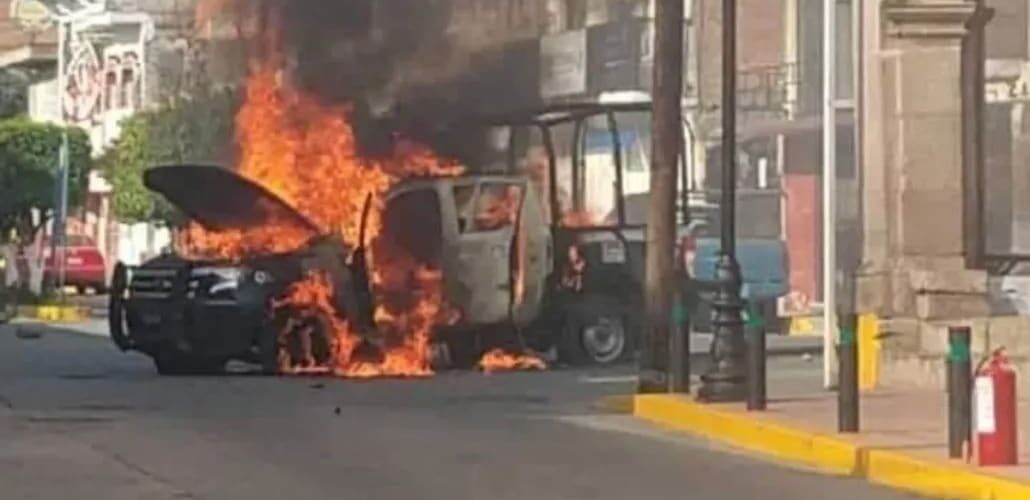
(941, 480)
(62, 314)
(829, 454)
(802, 326)
(832, 455)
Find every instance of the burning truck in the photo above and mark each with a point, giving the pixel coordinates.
(311, 256)
(285, 310)
(392, 267)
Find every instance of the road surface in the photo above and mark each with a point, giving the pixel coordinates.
(78, 419)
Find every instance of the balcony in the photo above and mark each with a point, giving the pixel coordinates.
(768, 90)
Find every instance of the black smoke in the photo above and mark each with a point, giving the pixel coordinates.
(364, 53)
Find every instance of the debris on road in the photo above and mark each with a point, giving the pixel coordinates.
(28, 332)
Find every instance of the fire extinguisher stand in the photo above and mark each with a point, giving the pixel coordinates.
(959, 392)
(996, 432)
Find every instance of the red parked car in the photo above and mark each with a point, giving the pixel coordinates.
(84, 265)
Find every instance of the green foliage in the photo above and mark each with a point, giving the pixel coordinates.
(12, 297)
(29, 156)
(13, 93)
(187, 130)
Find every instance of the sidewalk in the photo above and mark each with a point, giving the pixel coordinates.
(903, 442)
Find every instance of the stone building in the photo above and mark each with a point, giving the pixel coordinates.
(944, 191)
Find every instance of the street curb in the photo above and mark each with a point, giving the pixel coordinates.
(53, 314)
(827, 454)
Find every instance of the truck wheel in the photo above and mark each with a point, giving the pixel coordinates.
(173, 363)
(595, 332)
(307, 342)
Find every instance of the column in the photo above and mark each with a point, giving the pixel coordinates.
(913, 264)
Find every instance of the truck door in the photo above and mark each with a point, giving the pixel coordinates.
(532, 260)
(480, 272)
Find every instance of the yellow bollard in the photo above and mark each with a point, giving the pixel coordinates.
(868, 352)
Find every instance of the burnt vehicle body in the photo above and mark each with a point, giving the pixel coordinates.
(590, 160)
(487, 235)
(192, 316)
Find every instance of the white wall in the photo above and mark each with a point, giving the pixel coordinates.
(138, 243)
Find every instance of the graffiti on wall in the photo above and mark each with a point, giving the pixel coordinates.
(99, 78)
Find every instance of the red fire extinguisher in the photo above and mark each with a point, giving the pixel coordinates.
(995, 389)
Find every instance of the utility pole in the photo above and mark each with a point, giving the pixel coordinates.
(667, 130)
(829, 192)
(725, 381)
(61, 232)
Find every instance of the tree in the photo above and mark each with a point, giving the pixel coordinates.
(29, 158)
(13, 92)
(185, 130)
(29, 155)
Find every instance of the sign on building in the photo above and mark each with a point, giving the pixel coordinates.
(1001, 91)
(31, 16)
(614, 55)
(563, 64)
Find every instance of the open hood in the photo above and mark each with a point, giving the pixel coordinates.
(220, 199)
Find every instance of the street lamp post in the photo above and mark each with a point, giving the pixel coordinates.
(725, 380)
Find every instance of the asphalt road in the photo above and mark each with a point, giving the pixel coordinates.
(79, 419)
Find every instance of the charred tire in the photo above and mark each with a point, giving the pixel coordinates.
(305, 340)
(268, 351)
(170, 362)
(457, 349)
(116, 308)
(596, 331)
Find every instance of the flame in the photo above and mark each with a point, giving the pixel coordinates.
(580, 218)
(498, 360)
(313, 297)
(231, 244)
(407, 333)
(305, 151)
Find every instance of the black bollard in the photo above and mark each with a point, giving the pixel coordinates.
(756, 371)
(679, 349)
(847, 390)
(960, 409)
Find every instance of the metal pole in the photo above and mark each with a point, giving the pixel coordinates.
(829, 188)
(725, 381)
(756, 369)
(858, 86)
(55, 243)
(960, 408)
(666, 126)
(679, 361)
(847, 392)
(62, 214)
(973, 191)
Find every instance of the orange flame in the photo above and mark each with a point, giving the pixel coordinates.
(407, 343)
(498, 360)
(305, 152)
(580, 218)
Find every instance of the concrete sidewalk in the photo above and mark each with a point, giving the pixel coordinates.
(903, 442)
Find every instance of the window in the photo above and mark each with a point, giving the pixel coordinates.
(413, 227)
(464, 197)
(498, 206)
